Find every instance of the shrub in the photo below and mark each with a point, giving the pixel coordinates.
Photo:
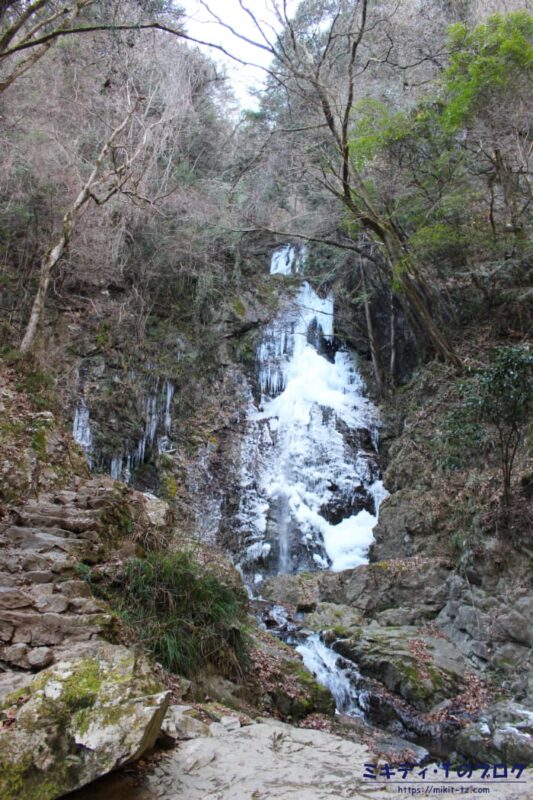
(462, 439)
(497, 399)
(503, 399)
(185, 617)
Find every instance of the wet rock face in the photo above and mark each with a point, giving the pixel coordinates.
(401, 532)
(394, 592)
(502, 735)
(119, 437)
(376, 618)
(80, 719)
(422, 669)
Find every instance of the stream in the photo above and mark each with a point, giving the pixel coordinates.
(310, 483)
(310, 486)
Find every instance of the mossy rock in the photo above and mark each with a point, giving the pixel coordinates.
(309, 698)
(502, 735)
(342, 621)
(387, 654)
(285, 686)
(76, 721)
(238, 307)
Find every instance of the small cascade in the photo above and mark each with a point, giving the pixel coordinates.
(335, 673)
(310, 485)
(330, 669)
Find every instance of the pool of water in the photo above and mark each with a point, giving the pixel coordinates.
(118, 786)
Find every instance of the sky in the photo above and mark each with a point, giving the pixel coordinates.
(199, 24)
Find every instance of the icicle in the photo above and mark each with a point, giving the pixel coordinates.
(116, 467)
(300, 456)
(169, 395)
(81, 429)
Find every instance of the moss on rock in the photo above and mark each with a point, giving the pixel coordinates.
(76, 721)
(313, 697)
(423, 670)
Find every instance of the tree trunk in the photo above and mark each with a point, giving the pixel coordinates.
(56, 251)
(405, 272)
(415, 290)
(378, 372)
(37, 310)
(393, 353)
(509, 184)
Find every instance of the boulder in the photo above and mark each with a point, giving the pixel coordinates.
(274, 761)
(301, 591)
(180, 723)
(401, 530)
(511, 625)
(157, 510)
(407, 591)
(502, 735)
(267, 760)
(422, 669)
(417, 586)
(13, 598)
(20, 655)
(77, 720)
(340, 620)
(227, 724)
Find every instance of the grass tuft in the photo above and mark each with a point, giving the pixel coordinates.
(185, 617)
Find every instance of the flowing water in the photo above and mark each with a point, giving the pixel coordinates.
(338, 674)
(310, 483)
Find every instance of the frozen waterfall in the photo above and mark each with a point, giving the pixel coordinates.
(157, 425)
(310, 484)
(81, 429)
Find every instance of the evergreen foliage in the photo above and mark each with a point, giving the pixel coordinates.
(494, 413)
(485, 63)
(502, 398)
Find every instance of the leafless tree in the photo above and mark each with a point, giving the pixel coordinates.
(29, 29)
(124, 190)
(319, 62)
(99, 187)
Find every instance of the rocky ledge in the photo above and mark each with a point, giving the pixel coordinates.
(270, 760)
(419, 676)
